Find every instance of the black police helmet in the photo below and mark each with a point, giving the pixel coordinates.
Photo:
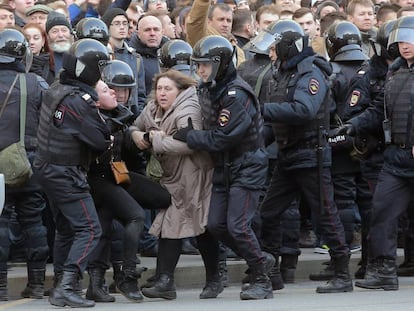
(92, 28)
(13, 45)
(84, 59)
(290, 39)
(117, 73)
(380, 45)
(403, 31)
(218, 51)
(175, 52)
(342, 36)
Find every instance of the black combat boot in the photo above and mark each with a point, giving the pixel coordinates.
(381, 274)
(274, 274)
(213, 287)
(56, 279)
(117, 275)
(288, 267)
(96, 290)
(4, 296)
(65, 295)
(224, 277)
(128, 285)
(407, 267)
(341, 281)
(163, 288)
(260, 286)
(35, 287)
(325, 274)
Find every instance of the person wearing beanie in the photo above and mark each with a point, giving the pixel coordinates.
(59, 37)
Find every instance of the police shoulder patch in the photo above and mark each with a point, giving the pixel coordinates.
(224, 117)
(59, 115)
(313, 86)
(354, 98)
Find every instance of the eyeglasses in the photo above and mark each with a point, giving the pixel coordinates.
(119, 23)
(156, 1)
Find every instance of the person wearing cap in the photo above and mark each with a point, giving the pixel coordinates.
(118, 24)
(59, 37)
(6, 16)
(38, 14)
(20, 7)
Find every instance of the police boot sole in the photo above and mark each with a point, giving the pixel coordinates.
(334, 290)
(378, 286)
(247, 296)
(168, 295)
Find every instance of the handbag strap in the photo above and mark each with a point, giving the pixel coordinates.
(6, 100)
(23, 103)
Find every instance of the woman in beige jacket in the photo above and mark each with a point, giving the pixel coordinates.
(186, 175)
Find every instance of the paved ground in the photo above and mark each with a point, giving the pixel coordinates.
(296, 297)
(190, 279)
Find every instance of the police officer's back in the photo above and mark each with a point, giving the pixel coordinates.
(27, 199)
(71, 134)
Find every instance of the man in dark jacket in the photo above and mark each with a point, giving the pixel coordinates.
(71, 134)
(146, 42)
(233, 135)
(300, 119)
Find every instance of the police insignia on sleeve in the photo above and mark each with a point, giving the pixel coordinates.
(355, 98)
(313, 86)
(224, 117)
(59, 115)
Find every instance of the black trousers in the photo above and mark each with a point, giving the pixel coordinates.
(77, 225)
(285, 187)
(230, 218)
(28, 203)
(124, 203)
(392, 198)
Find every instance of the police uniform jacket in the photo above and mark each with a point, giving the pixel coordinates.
(9, 121)
(303, 92)
(232, 132)
(399, 98)
(71, 131)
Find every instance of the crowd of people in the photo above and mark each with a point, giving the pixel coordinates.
(163, 127)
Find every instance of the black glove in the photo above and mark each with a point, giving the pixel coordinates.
(346, 129)
(181, 134)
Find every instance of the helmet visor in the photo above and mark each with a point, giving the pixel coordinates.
(401, 35)
(264, 40)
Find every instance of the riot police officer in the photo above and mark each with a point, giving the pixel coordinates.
(300, 117)
(176, 54)
(71, 134)
(365, 87)
(233, 135)
(351, 191)
(92, 28)
(394, 189)
(26, 199)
